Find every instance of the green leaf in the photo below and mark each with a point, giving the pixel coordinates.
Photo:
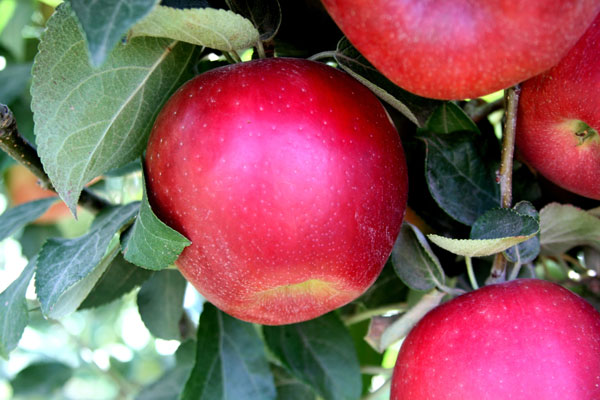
(89, 121)
(106, 21)
(415, 108)
(449, 118)
(68, 269)
(17, 217)
(564, 226)
(494, 232)
(320, 353)
(14, 316)
(289, 388)
(265, 15)
(41, 379)
(529, 249)
(460, 179)
(168, 386)
(230, 361)
(160, 302)
(365, 352)
(151, 243)
(215, 28)
(14, 78)
(414, 261)
(120, 277)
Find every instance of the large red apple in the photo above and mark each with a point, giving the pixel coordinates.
(559, 119)
(521, 340)
(289, 179)
(455, 49)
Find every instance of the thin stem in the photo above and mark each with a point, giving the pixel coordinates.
(323, 55)
(481, 112)
(506, 168)
(260, 49)
(375, 370)
(356, 318)
(515, 271)
(25, 153)
(471, 273)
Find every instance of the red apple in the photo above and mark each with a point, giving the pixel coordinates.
(456, 49)
(559, 119)
(521, 340)
(289, 179)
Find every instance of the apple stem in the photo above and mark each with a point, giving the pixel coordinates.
(323, 55)
(471, 273)
(16, 146)
(506, 167)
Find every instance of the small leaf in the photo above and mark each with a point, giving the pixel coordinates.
(160, 302)
(230, 361)
(168, 386)
(564, 226)
(106, 21)
(449, 118)
(14, 78)
(414, 261)
(218, 29)
(494, 232)
(527, 251)
(415, 108)
(89, 121)
(17, 217)
(41, 379)
(152, 244)
(320, 353)
(120, 277)
(14, 316)
(68, 269)
(265, 15)
(460, 179)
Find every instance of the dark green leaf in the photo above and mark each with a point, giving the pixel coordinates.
(160, 302)
(89, 121)
(106, 21)
(503, 223)
(14, 78)
(17, 217)
(231, 362)
(417, 109)
(68, 269)
(152, 244)
(459, 177)
(449, 118)
(320, 353)
(414, 261)
(388, 288)
(13, 310)
(170, 384)
(564, 226)
(41, 379)
(366, 354)
(120, 278)
(265, 15)
(289, 388)
(528, 250)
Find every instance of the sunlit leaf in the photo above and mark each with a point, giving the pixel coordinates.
(564, 226)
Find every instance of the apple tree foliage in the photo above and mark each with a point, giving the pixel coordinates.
(85, 81)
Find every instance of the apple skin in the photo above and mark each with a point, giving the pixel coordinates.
(521, 340)
(456, 49)
(552, 110)
(288, 178)
(22, 187)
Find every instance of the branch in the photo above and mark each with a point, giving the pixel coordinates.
(25, 153)
(506, 168)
